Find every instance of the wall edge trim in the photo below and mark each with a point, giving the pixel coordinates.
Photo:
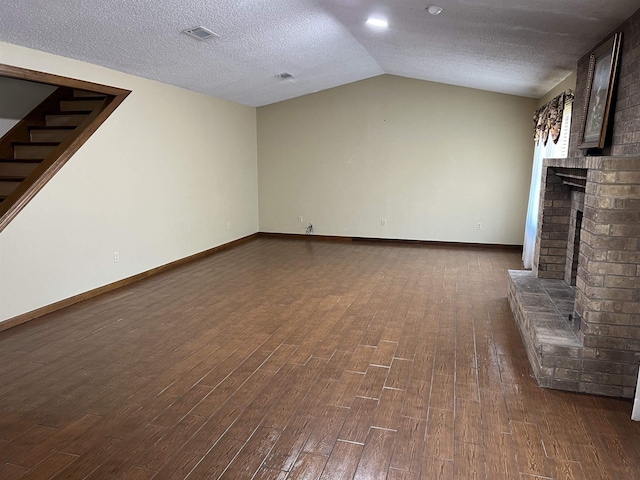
(397, 241)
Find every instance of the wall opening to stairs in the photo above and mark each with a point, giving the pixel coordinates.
(18, 98)
(39, 144)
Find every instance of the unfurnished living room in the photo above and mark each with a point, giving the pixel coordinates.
(330, 239)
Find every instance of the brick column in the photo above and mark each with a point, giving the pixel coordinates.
(608, 283)
(553, 227)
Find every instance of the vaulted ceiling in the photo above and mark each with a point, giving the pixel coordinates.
(519, 47)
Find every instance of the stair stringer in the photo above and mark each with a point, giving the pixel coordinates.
(56, 159)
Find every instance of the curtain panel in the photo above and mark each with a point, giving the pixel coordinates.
(551, 120)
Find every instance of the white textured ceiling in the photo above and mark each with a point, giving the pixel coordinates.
(519, 47)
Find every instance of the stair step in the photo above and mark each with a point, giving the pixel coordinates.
(12, 178)
(50, 134)
(9, 184)
(15, 167)
(33, 150)
(69, 119)
(81, 104)
(85, 93)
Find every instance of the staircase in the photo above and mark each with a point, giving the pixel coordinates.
(31, 149)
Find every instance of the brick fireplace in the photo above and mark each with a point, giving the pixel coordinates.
(578, 309)
(580, 320)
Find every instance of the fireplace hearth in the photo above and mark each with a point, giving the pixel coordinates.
(578, 310)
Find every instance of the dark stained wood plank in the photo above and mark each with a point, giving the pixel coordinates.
(217, 459)
(440, 434)
(383, 355)
(179, 467)
(358, 421)
(20, 451)
(270, 474)
(254, 383)
(409, 448)
(417, 400)
(568, 470)
(596, 463)
(361, 358)
(85, 464)
(467, 422)
(217, 397)
(376, 455)
(279, 357)
(389, 409)
(518, 402)
(180, 373)
(119, 460)
(395, 474)
(444, 361)
(467, 383)
(156, 457)
(469, 461)
(621, 455)
(494, 411)
(286, 450)
(399, 373)
(308, 466)
(532, 458)
(138, 473)
(253, 453)
(248, 422)
(213, 429)
(326, 431)
(12, 472)
(181, 406)
(290, 397)
(373, 382)
(50, 466)
(342, 462)
(423, 364)
(442, 392)
(500, 454)
(344, 391)
(336, 365)
(437, 468)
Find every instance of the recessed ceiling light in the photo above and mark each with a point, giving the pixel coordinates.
(284, 76)
(434, 9)
(377, 22)
(200, 33)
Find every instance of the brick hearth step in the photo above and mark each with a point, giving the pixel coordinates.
(541, 308)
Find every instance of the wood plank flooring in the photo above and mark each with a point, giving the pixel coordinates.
(300, 359)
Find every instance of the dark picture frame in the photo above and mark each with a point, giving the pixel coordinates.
(603, 67)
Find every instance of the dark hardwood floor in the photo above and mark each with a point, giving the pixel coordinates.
(300, 359)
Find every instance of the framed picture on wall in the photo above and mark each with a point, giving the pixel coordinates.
(603, 66)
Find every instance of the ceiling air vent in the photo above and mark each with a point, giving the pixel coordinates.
(284, 76)
(200, 33)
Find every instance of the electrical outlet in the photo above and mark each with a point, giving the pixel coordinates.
(116, 257)
(228, 225)
(300, 219)
(383, 222)
(479, 226)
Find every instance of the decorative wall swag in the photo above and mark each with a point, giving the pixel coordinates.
(548, 119)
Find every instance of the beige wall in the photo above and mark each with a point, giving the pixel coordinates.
(17, 98)
(433, 160)
(157, 182)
